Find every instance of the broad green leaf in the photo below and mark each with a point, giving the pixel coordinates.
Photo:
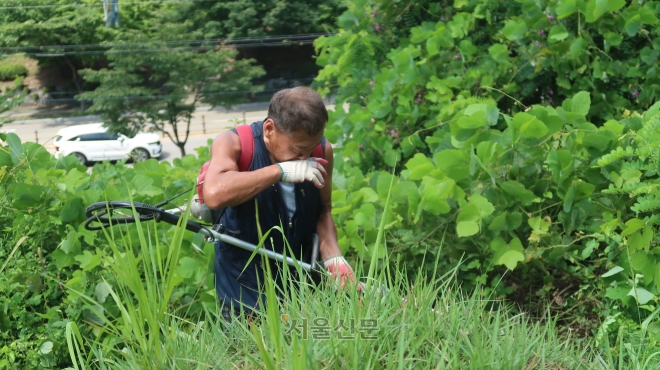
(637, 242)
(499, 222)
(28, 196)
(633, 24)
(369, 195)
(538, 223)
(191, 268)
(578, 47)
(569, 198)
(632, 225)
(101, 292)
(614, 126)
(565, 8)
(498, 244)
(71, 210)
(383, 184)
(143, 185)
(402, 190)
(508, 254)
(499, 52)
(589, 248)
(581, 103)
(640, 294)
(392, 156)
(618, 292)
(5, 159)
(433, 202)
(15, 148)
(432, 47)
(476, 121)
(510, 259)
(648, 15)
(518, 192)
(453, 162)
(88, 260)
(460, 3)
(561, 164)
(514, 29)
(419, 166)
(595, 9)
(557, 33)
(467, 228)
(614, 5)
(615, 270)
(46, 347)
(481, 111)
(644, 263)
(529, 126)
(468, 220)
(484, 206)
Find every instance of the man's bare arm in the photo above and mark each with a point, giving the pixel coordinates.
(326, 228)
(224, 185)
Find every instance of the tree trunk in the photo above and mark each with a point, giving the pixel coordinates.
(181, 144)
(181, 148)
(75, 80)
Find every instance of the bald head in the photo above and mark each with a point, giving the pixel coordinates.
(298, 108)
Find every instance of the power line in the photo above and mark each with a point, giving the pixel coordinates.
(152, 97)
(76, 5)
(175, 42)
(306, 79)
(169, 50)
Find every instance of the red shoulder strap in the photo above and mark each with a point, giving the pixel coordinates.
(247, 147)
(319, 151)
(200, 181)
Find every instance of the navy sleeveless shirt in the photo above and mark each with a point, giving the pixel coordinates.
(234, 282)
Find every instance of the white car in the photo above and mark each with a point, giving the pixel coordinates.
(91, 142)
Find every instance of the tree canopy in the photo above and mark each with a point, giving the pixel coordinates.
(159, 90)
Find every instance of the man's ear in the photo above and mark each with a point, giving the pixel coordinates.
(269, 127)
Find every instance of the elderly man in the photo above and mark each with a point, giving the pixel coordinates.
(290, 187)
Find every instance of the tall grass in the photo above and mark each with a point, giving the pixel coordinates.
(428, 323)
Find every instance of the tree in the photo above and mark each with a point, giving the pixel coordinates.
(159, 90)
(60, 33)
(250, 18)
(28, 25)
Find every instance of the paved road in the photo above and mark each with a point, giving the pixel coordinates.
(206, 124)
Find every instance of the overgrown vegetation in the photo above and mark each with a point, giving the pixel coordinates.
(11, 71)
(515, 145)
(499, 119)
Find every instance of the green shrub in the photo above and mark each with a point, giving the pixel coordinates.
(48, 259)
(11, 71)
(494, 116)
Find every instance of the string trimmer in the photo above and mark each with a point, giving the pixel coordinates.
(118, 212)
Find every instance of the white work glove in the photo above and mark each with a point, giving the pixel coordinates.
(340, 270)
(310, 169)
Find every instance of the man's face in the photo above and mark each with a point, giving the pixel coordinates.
(288, 147)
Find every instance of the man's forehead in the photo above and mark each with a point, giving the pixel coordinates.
(300, 137)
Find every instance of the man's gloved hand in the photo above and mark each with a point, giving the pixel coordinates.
(310, 169)
(340, 269)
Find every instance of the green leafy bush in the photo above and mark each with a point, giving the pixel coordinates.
(11, 71)
(494, 116)
(48, 260)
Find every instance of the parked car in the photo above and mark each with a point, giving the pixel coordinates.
(91, 142)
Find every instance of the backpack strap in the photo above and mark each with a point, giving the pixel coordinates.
(319, 151)
(247, 147)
